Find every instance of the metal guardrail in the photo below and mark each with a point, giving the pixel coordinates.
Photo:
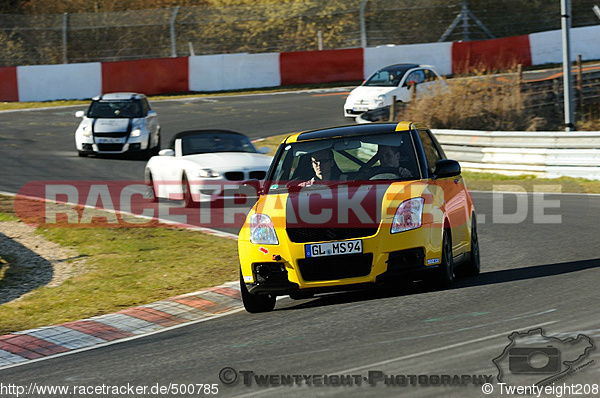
(545, 154)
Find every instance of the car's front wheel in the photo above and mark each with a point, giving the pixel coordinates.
(188, 201)
(151, 192)
(444, 274)
(473, 266)
(254, 303)
(156, 149)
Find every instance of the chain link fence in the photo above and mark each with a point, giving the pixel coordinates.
(273, 27)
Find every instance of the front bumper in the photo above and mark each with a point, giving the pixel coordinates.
(284, 269)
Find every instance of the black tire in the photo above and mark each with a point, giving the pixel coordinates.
(473, 266)
(82, 154)
(156, 149)
(188, 201)
(254, 303)
(147, 153)
(444, 274)
(151, 193)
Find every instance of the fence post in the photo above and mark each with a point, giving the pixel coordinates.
(64, 37)
(393, 109)
(173, 43)
(579, 87)
(363, 25)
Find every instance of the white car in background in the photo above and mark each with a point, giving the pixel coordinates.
(394, 80)
(199, 164)
(118, 123)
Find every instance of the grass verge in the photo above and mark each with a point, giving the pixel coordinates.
(124, 268)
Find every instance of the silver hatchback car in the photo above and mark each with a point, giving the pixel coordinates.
(118, 123)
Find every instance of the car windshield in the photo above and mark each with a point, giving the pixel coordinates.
(388, 156)
(211, 142)
(115, 109)
(385, 78)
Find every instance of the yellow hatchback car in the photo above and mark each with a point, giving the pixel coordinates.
(347, 207)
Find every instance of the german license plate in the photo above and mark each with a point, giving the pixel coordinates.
(333, 248)
(360, 108)
(110, 140)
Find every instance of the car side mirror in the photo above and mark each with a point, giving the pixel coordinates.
(152, 113)
(264, 150)
(79, 114)
(445, 168)
(166, 152)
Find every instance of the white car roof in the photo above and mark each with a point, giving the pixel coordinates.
(119, 96)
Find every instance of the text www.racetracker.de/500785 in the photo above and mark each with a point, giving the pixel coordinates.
(33, 389)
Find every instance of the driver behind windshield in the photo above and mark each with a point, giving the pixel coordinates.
(389, 156)
(324, 167)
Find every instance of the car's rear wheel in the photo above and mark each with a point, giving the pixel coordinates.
(254, 303)
(473, 266)
(444, 274)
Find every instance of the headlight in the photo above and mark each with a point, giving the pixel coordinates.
(87, 130)
(136, 133)
(380, 101)
(409, 215)
(208, 173)
(262, 230)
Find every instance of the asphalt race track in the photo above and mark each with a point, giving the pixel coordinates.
(540, 269)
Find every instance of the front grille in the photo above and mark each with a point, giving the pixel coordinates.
(335, 267)
(119, 134)
(110, 147)
(234, 175)
(302, 235)
(257, 175)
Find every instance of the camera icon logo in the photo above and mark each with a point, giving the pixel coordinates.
(534, 360)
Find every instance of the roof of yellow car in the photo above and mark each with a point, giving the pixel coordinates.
(355, 129)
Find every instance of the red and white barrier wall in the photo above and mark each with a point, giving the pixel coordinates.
(243, 71)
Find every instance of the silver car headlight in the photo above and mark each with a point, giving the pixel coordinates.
(208, 173)
(262, 230)
(380, 101)
(409, 215)
(136, 132)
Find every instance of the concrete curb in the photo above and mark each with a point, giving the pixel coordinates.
(19, 347)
